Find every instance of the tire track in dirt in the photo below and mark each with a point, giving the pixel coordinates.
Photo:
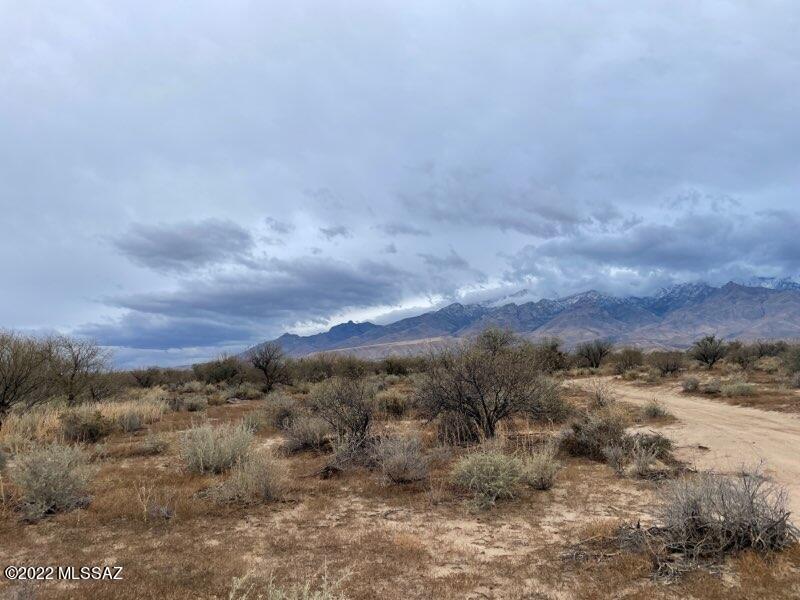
(723, 437)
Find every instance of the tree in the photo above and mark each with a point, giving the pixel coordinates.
(75, 364)
(23, 365)
(708, 350)
(592, 353)
(483, 383)
(271, 361)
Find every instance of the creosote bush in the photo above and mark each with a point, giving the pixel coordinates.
(711, 515)
(206, 449)
(708, 350)
(400, 459)
(257, 478)
(51, 479)
(488, 475)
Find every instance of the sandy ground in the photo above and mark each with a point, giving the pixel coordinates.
(722, 437)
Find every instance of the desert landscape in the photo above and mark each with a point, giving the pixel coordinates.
(602, 472)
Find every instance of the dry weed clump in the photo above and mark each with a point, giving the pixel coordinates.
(400, 459)
(393, 403)
(653, 409)
(281, 410)
(84, 424)
(206, 449)
(489, 475)
(711, 515)
(455, 429)
(541, 467)
(600, 393)
(41, 425)
(307, 432)
(547, 403)
(737, 388)
(251, 587)
(133, 415)
(257, 478)
(690, 384)
(51, 479)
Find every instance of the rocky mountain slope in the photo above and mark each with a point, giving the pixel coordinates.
(672, 318)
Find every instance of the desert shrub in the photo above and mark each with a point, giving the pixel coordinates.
(616, 457)
(206, 449)
(394, 365)
(548, 356)
(307, 432)
(548, 404)
(666, 363)
(271, 361)
(486, 382)
(281, 410)
(627, 359)
(51, 479)
(392, 403)
(600, 393)
(653, 409)
(132, 415)
(148, 377)
(3, 459)
(489, 476)
(85, 425)
(660, 444)
(456, 429)
(643, 457)
(195, 403)
(153, 444)
(346, 404)
(708, 350)
(744, 355)
(400, 459)
(713, 386)
(225, 369)
(541, 467)
(737, 388)
(23, 368)
(711, 515)
(594, 431)
(257, 478)
(246, 391)
(690, 384)
(794, 381)
(791, 358)
(591, 354)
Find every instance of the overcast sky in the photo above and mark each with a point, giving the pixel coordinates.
(183, 178)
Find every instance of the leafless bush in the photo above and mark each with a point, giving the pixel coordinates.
(74, 365)
(643, 457)
(270, 359)
(400, 459)
(690, 384)
(346, 404)
(489, 476)
(666, 363)
(257, 478)
(628, 359)
(711, 515)
(456, 429)
(541, 467)
(22, 372)
(593, 432)
(592, 354)
(484, 382)
(51, 479)
(207, 449)
(307, 432)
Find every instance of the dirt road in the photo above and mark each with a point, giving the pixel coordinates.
(718, 436)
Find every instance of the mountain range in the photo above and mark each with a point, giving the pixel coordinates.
(673, 317)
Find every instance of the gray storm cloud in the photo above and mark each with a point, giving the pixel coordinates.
(176, 180)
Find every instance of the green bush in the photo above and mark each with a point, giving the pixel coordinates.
(206, 449)
(51, 479)
(738, 388)
(489, 476)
